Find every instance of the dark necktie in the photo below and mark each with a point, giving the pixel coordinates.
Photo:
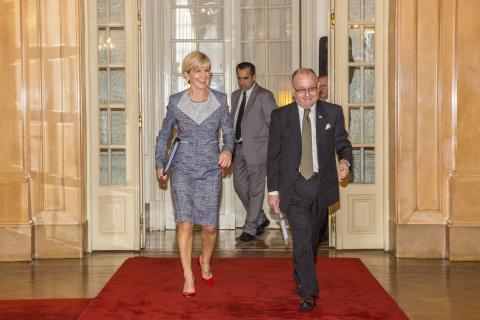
(306, 162)
(238, 126)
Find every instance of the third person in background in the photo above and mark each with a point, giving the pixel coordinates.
(323, 86)
(251, 108)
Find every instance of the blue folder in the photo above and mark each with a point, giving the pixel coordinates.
(171, 155)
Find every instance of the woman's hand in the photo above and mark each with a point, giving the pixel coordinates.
(224, 159)
(160, 175)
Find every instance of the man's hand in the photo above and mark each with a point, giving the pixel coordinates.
(342, 171)
(160, 175)
(224, 159)
(274, 203)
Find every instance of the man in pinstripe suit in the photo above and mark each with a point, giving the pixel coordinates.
(302, 173)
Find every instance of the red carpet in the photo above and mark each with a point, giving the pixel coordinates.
(47, 309)
(150, 288)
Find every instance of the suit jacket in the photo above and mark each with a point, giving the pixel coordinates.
(285, 150)
(255, 122)
(198, 152)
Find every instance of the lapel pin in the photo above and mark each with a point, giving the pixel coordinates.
(320, 116)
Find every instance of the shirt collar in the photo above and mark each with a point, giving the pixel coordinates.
(313, 109)
(250, 90)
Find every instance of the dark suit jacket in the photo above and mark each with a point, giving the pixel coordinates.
(255, 122)
(285, 148)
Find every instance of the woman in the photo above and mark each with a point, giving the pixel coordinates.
(198, 113)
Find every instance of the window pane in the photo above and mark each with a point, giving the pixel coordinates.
(369, 10)
(210, 23)
(179, 51)
(101, 12)
(255, 53)
(369, 44)
(261, 80)
(355, 121)
(102, 46)
(218, 83)
(279, 2)
(184, 23)
(103, 86)
(279, 23)
(369, 85)
(117, 120)
(354, 87)
(354, 12)
(210, 2)
(281, 88)
(116, 11)
(104, 167)
(369, 125)
(103, 126)
(253, 24)
(369, 160)
(117, 48)
(279, 57)
(355, 33)
(117, 86)
(183, 2)
(356, 175)
(119, 171)
(214, 50)
(178, 84)
(253, 3)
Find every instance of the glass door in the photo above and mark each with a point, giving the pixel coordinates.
(359, 38)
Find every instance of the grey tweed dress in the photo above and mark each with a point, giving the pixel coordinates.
(196, 178)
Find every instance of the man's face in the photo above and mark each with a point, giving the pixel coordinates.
(323, 87)
(305, 90)
(245, 79)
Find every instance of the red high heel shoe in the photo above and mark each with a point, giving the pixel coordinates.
(208, 281)
(188, 294)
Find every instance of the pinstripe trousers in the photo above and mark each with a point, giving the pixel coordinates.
(306, 220)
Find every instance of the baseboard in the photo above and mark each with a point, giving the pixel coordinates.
(58, 241)
(392, 237)
(464, 242)
(16, 243)
(421, 241)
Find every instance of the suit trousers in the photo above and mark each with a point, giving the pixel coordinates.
(249, 184)
(306, 219)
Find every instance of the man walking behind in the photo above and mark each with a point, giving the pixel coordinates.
(251, 108)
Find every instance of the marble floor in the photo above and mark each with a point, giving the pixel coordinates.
(424, 288)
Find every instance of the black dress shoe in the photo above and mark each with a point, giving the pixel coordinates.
(261, 228)
(245, 237)
(308, 303)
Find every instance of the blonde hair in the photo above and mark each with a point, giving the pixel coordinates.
(195, 59)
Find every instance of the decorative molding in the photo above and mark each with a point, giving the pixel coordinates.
(361, 213)
(112, 214)
(427, 217)
(14, 177)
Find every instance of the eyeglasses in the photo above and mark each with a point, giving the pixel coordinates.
(303, 91)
